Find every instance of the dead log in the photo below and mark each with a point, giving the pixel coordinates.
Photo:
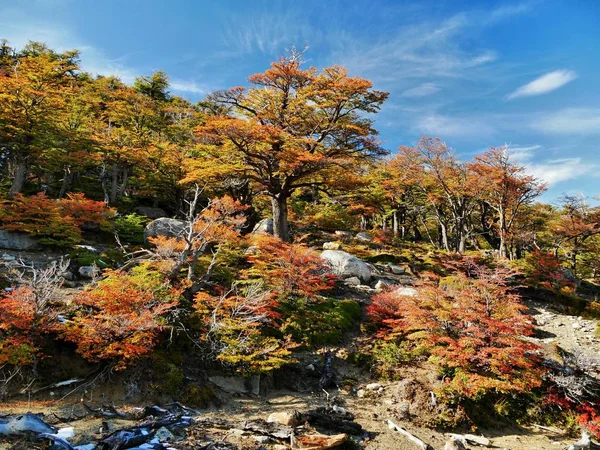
(318, 441)
(23, 425)
(409, 436)
(272, 429)
(124, 439)
(585, 443)
(329, 420)
(454, 444)
(471, 439)
(57, 443)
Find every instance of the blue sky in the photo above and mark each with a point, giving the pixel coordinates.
(475, 73)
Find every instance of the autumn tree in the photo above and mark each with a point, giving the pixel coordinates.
(33, 87)
(446, 183)
(506, 189)
(575, 229)
(293, 127)
(28, 313)
(121, 317)
(473, 328)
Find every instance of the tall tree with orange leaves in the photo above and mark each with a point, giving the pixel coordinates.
(294, 128)
(507, 188)
(34, 87)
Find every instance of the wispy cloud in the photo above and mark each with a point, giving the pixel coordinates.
(188, 86)
(522, 153)
(544, 84)
(440, 125)
(557, 170)
(551, 171)
(422, 90)
(580, 121)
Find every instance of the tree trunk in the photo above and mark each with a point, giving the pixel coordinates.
(66, 184)
(444, 236)
(280, 219)
(502, 225)
(114, 185)
(396, 223)
(19, 177)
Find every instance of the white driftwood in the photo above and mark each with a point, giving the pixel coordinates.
(585, 443)
(470, 439)
(454, 444)
(409, 436)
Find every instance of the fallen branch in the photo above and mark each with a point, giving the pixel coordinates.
(409, 436)
(470, 439)
(318, 441)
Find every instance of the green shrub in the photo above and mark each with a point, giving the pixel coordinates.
(130, 228)
(387, 357)
(316, 321)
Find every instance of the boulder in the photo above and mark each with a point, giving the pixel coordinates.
(12, 240)
(238, 385)
(165, 227)
(283, 418)
(343, 233)
(89, 271)
(352, 281)
(345, 265)
(382, 283)
(364, 237)
(150, 212)
(408, 291)
(397, 270)
(265, 226)
(332, 246)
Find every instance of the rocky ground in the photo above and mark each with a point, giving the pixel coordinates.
(371, 403)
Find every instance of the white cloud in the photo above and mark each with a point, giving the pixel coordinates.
(569, 121)
(422, 90)
(557, 170)
(439, 125)
(544, 84)
(522, 153)
(551, 171)
(187, 86)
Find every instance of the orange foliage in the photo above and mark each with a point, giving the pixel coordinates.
(546, 270)
(473, 329)
(122, 316)
(288, 269)
(22, 322)
(54, 222)
(85, 211)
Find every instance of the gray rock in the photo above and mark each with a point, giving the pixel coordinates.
(332, 246)
(150, 212)
(397, 270)
(89, 271)
(165, 227)
(408, 291)
(7, 257)
(12, 240)
(373, 386)
(352, 281)
(343, 233)
(381, 284)
(365, 237)
(265, 226)
(164, 435)
(345, 265)
(238, 385)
